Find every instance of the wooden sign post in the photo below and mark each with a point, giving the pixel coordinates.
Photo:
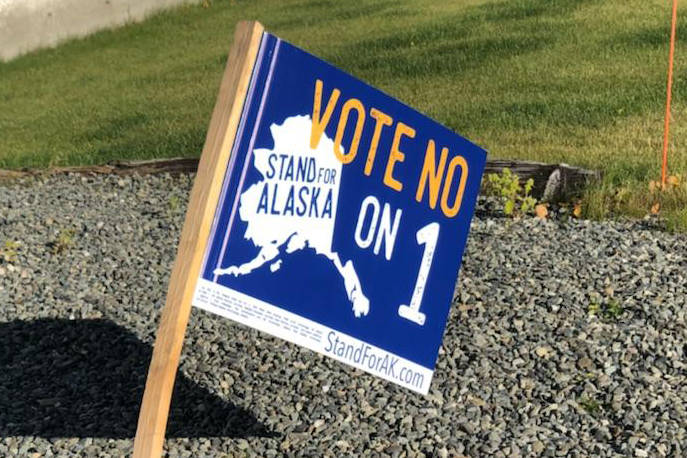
(152, 421)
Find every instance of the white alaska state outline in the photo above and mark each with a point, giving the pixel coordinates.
(270, 233)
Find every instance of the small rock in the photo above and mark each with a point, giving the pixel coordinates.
(586, 364)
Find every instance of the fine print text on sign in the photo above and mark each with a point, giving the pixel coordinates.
(342, 219)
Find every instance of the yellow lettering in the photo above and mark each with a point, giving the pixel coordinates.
(318, 125)
(431, 175)
(450, 212)
(382, 120)
(341, 128)
(396, 155)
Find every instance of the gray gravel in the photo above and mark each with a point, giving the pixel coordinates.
(567, 339)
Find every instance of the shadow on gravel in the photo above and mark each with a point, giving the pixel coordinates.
(85, 378)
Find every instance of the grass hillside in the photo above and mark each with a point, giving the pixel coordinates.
(576, 81)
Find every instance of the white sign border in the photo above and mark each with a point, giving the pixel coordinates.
(293, 328)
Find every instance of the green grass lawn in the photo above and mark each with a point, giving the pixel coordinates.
(575, 81)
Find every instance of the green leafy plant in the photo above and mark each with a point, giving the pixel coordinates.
(593, 309)
(610, 311)
(515, 197)
(613, 310)
(590, 405)
(174, 204)
(64, 241)
(8, 252)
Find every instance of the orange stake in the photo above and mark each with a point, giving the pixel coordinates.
(666, 129)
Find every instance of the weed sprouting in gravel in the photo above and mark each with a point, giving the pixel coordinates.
(612, 310)
(63, 242)
(174, 204)
(590, 405)
(9, 251)
(515, 197)
(593, 308)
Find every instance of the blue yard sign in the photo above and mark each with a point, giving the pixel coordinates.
(342, 220)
